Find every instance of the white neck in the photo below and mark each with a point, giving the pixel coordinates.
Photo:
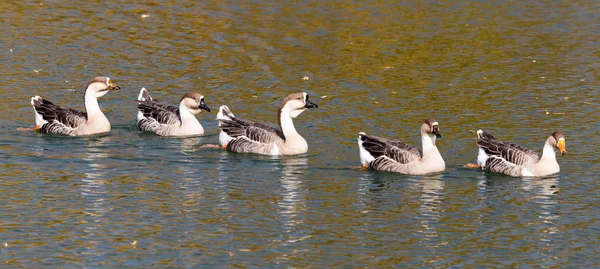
(428, 142)
(187, 118)
(430, 151)
(548, 152)
(287, 125)
(547, 164)
(91, 105)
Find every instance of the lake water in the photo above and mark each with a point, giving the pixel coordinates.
(519, 69)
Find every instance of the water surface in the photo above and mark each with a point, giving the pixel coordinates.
(520, 70)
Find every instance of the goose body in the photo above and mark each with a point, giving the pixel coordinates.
(377, 153)
(518, 161)
(244, 136)
(50, 118)
(168, 120)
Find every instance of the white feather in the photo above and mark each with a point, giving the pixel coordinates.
(141, 95)
(39, 119)
(275, 150)
(221, 115)
(365, 156)
(527, 173)
(140, 116)
(224, 138)
(482, 157)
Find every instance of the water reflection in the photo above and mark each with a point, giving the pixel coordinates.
(190, 186)
(191, 177)
(381, 196)
(95, 153)
(529, 203)
(189, 145)
(93, 184)
(222, 189)
(372, 188)
(94, 192)
(451, 56)
(431, 189)
(543, 192)
(490, 185)
(292, 205)
(543, 189)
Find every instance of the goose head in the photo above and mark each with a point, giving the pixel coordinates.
(99, 86)
(295, 104)
(431, 127)
(194, 102)
(557, 140)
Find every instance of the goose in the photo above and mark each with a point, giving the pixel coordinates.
(517, 161)
(167, 120)
(382, 154)
(53, 119)
(244, 136)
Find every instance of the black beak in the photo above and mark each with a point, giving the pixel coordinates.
(203, 105)
(113, 87)
(310, 104)
(436, 131)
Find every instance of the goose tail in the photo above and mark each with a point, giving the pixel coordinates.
(224, 114)
(365, 156)
(484, 136)
(144, 95)
(37, 102)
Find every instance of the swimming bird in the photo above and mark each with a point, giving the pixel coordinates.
(50, 118)
(382, 154)
(518, 161)
(167, 120)
(244, 136)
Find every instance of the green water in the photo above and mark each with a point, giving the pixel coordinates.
(520, 70)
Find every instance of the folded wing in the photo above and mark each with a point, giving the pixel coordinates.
(51, 118)
(395, 151)
(160, 113)
(507, 151)
(248, 136)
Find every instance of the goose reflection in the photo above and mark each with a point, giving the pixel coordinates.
(189, 145)
(95, 153)
(544, 189)
(537, 196)
(193, 177)
(221, 186)
(293, 202)
(431, 194)
(93, 187)
(428, 190)
(543, 192)
(94, 191)
(189, 187)
(373, 189)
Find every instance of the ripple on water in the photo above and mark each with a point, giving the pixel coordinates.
(131, 199)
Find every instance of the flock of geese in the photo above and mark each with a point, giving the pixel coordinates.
(244, 136)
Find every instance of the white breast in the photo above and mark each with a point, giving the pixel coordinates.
(482, 157)
(275, 150)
